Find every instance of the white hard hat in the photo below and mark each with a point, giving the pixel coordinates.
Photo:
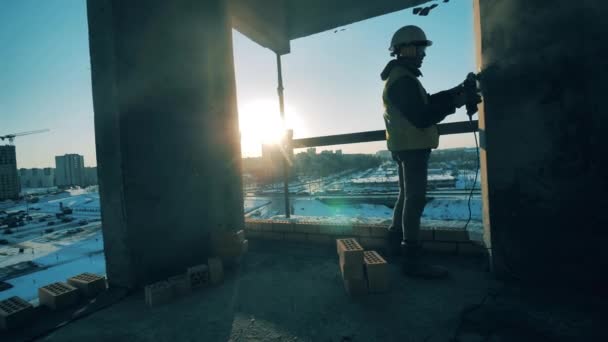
(409, 35)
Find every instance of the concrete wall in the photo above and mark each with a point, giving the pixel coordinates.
(166, 127)
(544, 122)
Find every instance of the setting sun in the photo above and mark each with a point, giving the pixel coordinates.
(260, 123)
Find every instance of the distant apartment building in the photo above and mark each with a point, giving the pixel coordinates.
(37, 178)
(9, 177)
(69, 170)
(90, 176)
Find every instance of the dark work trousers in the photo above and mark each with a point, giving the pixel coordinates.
(413, 170)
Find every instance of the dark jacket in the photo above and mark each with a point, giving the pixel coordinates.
(406, 96)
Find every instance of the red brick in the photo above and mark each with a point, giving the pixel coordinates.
(254, 234)
(216, 270)
(361, 230)
(352, 271)
(198, 276)
(341, 230)
(378, 231)
(273, 236)
(451, 235)
(335, 229)
(14, 313)
(355, 287)
(299, 237)
(265, 226)
(326, 229)
(88, 284)
(306, 227)
(58, 295)
(180, 285)
(319, 238)
(282, 226)
(376, 269)
(440, 247)
(349, 251)
(251, 225)
(158, 293)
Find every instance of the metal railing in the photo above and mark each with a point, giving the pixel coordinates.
(380, 135)
(363, 137)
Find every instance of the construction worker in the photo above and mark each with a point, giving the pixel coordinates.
(411, 115)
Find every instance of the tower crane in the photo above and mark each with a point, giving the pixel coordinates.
(11, 137)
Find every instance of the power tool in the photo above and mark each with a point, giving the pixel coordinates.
(473, 93)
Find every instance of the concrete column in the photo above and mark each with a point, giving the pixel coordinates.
(543, 135)
(166, 126)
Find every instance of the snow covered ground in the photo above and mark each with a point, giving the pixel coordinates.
(68, 250)
(48, 252)
(253, 203)
(43, 253)
(448, 209)
(56, 261)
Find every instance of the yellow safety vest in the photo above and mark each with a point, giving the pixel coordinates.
(401, 134)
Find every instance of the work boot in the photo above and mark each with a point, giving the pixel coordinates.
(413, 267)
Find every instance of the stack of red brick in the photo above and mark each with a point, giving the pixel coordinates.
(362, 271)
(15, 311)
(227, 249)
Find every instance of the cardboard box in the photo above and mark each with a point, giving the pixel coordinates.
(58, 295)
(90, 285)
(14, 312)
(376, 270)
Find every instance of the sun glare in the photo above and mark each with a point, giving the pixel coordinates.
(260, 123)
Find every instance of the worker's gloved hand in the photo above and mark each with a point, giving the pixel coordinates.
(459, 97)
(472, 100)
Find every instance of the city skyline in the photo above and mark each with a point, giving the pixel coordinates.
(332, 82)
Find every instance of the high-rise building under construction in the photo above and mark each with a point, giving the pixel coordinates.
(9, 177)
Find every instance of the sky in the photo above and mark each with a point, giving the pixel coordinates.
(332, 82)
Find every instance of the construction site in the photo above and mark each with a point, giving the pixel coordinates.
(173, 246)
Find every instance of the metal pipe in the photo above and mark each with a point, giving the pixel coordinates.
(284, 144)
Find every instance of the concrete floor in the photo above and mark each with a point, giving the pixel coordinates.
(294, 293)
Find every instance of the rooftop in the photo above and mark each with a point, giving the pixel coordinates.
(293, 292)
